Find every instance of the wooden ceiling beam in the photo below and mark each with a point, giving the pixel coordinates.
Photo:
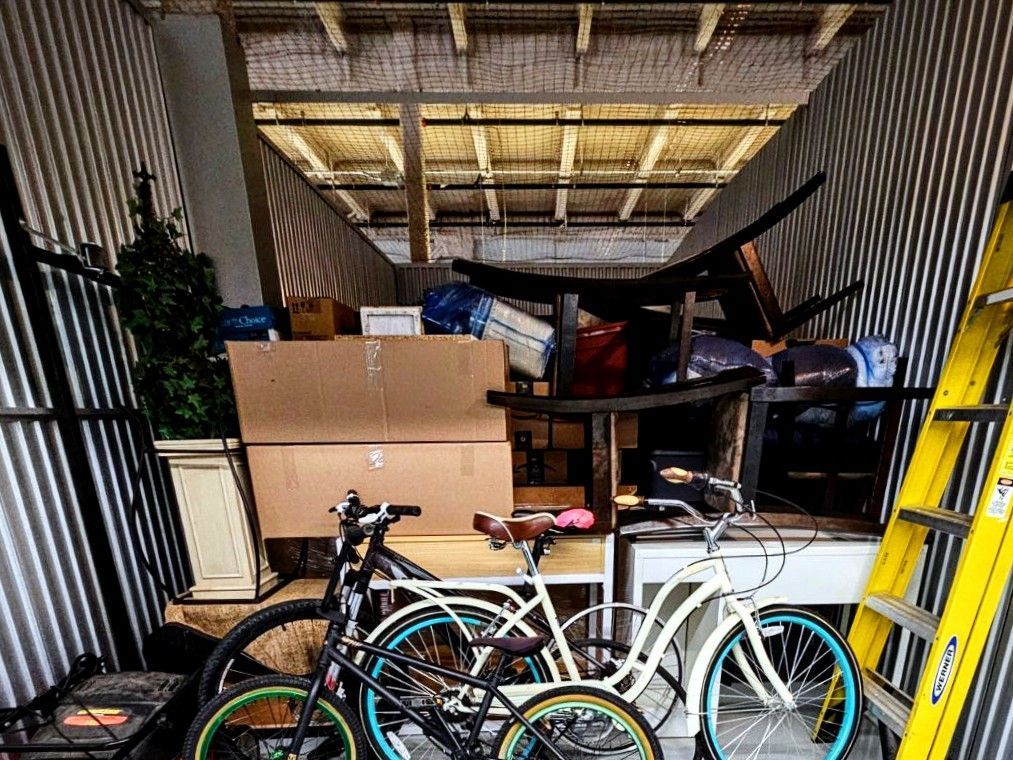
(710, 14)
(458, 27)
(333, 18)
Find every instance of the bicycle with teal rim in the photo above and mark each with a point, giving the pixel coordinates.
(769, 678)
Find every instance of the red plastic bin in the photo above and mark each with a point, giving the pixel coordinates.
(599, 367)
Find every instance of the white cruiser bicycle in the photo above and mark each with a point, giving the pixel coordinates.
(770, 678)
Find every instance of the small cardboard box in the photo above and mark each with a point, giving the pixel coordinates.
(357, 389)
(294, 486)
(319, 318)
(549, 497)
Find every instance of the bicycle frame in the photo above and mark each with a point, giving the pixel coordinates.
(438, 732)
(719, 585)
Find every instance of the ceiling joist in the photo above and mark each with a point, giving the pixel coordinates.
(586, 15)
(333, 19)
(832, 19)
(458, 27)
(655, 147)
(567, 154)
(481, 143)
(728, 163)
(358, 212)
(710, 14)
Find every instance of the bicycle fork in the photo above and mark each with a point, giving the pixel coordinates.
(755, 636)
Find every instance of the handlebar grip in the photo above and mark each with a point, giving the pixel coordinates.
(404, 511)
(628, 500)
(677, 475)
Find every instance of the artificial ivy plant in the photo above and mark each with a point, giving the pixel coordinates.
(170, 303)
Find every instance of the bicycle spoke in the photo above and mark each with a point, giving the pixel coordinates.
(746, 727)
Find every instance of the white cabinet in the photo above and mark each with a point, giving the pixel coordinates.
(218, 538)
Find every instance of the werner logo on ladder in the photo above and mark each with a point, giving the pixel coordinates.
(926, 720)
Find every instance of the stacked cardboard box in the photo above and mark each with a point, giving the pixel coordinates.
(320, 318)
(399, 419)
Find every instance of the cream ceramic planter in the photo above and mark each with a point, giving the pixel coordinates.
(218, 539)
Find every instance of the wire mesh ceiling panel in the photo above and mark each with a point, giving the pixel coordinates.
(565, 132)
(80, 109)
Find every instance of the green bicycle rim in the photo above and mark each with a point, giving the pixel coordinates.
(270, 691)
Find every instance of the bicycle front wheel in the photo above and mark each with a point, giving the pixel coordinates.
(257, 719)
(741, 714)
(578, 722)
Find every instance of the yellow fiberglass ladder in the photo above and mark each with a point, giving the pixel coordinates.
(926, 720)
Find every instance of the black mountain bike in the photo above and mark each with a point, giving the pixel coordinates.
(285, 718)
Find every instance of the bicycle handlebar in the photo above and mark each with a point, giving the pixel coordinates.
(353, 508)
(713, 528)
(396, 510)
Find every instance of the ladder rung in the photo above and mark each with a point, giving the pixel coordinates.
(977, 413)
(887, 704)
(937, 518)
(993, 299)
(920, 622)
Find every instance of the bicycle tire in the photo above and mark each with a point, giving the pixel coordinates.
(611, 713)
(656, 710)
(781, 621)
(251, 628)
(212, 719)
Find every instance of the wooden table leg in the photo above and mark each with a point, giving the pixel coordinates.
(684, 333)
(604, 467)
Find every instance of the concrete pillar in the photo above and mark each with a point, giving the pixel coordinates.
(415, 182)
(220, 167)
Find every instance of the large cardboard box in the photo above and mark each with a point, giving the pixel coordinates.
(294, 486)
(357, 389)
(320, 318)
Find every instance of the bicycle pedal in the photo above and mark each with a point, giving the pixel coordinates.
(399, 746)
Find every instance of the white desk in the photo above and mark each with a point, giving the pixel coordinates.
(833, 570)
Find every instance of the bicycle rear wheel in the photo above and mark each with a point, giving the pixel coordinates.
(283, 639)
(256, 721)
(818, 668)
(579, 722)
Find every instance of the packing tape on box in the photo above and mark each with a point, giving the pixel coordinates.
(467, 461)
(375, 459)
(464, 367)
(374, 367)
(289, 469)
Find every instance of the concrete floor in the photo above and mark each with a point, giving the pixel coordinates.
(866, 747)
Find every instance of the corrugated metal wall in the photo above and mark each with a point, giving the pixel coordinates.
(914, 131)
(80, 108)
(413, 280)
(319, 252)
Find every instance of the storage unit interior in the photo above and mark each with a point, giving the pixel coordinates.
(501, 257)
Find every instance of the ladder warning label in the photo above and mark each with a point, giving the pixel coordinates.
(998, 505)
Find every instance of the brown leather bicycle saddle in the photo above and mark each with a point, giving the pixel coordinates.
(513, 528)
